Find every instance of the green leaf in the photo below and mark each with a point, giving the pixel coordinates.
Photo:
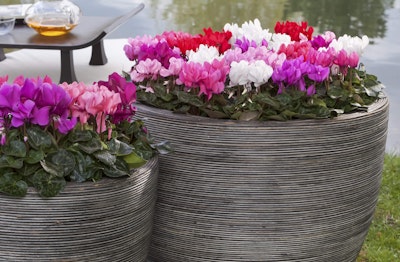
(28, 169)
(119, 148)
(118, 170)
(105, 157)
(38, 138)
(134, 161)
(48, 185)
(337, 92)
(189, 98)
(318, 102)
(215, 114)
(181, 109)
(161, 91)
(81, 136)
(267, 100)
(11, 184)
(60, 163)
(34, 156)
(9, 161)
(284, 99)
(15, 148)
(287, 114)
(91, 146)
(83, 170)
(249, 115)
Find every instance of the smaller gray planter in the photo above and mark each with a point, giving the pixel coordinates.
(109, 220)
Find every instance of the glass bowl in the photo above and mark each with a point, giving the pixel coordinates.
(53, 17)
(6, 25)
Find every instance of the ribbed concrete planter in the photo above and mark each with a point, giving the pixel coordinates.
(302, 190)
(110, 220)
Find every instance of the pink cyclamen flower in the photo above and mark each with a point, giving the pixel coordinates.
(191, 74)
(147, 69)
(100, 103)
(175, 67)
(3, 79)
(214, 83)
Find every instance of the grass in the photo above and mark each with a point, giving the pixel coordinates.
(383, 241)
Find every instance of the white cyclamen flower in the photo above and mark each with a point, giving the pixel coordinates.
(350, 44)
(239, 73)
(236, 31)
(251, 30)
(203, 54)
(259, 73)
(277, 40)
(245, 73)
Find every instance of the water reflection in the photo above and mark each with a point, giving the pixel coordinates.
(192, 16)
(355, 17)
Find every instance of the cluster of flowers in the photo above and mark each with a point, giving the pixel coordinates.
(40, 102)
(248, 56)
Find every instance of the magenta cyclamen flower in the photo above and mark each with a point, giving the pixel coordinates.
(160, 52)
(37, 101)
(10, 95)
(20, 108)
(127, 91)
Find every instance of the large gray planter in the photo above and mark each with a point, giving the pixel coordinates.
(302, 190)
(109, 220)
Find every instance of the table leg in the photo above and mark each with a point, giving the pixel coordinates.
(2, 55)
(67, 67)
(98, 54)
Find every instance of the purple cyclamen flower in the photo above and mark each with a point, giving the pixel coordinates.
(291, 73)
(318, 73)
(64, 124)
(23, 113)
(53, 96)
(245, 44)
(10, 95)
(311, 90)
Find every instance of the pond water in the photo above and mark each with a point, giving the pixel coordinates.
(379, 19)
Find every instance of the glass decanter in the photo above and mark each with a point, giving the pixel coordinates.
(53, 17)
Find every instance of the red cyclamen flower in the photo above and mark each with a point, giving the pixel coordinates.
(218, 39)
(295, 30)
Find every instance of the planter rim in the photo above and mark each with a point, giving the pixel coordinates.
(378, 105)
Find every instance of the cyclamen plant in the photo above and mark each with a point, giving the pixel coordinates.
(249, 73)
(52, 133)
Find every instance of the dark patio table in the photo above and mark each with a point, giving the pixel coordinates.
(90, 32)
